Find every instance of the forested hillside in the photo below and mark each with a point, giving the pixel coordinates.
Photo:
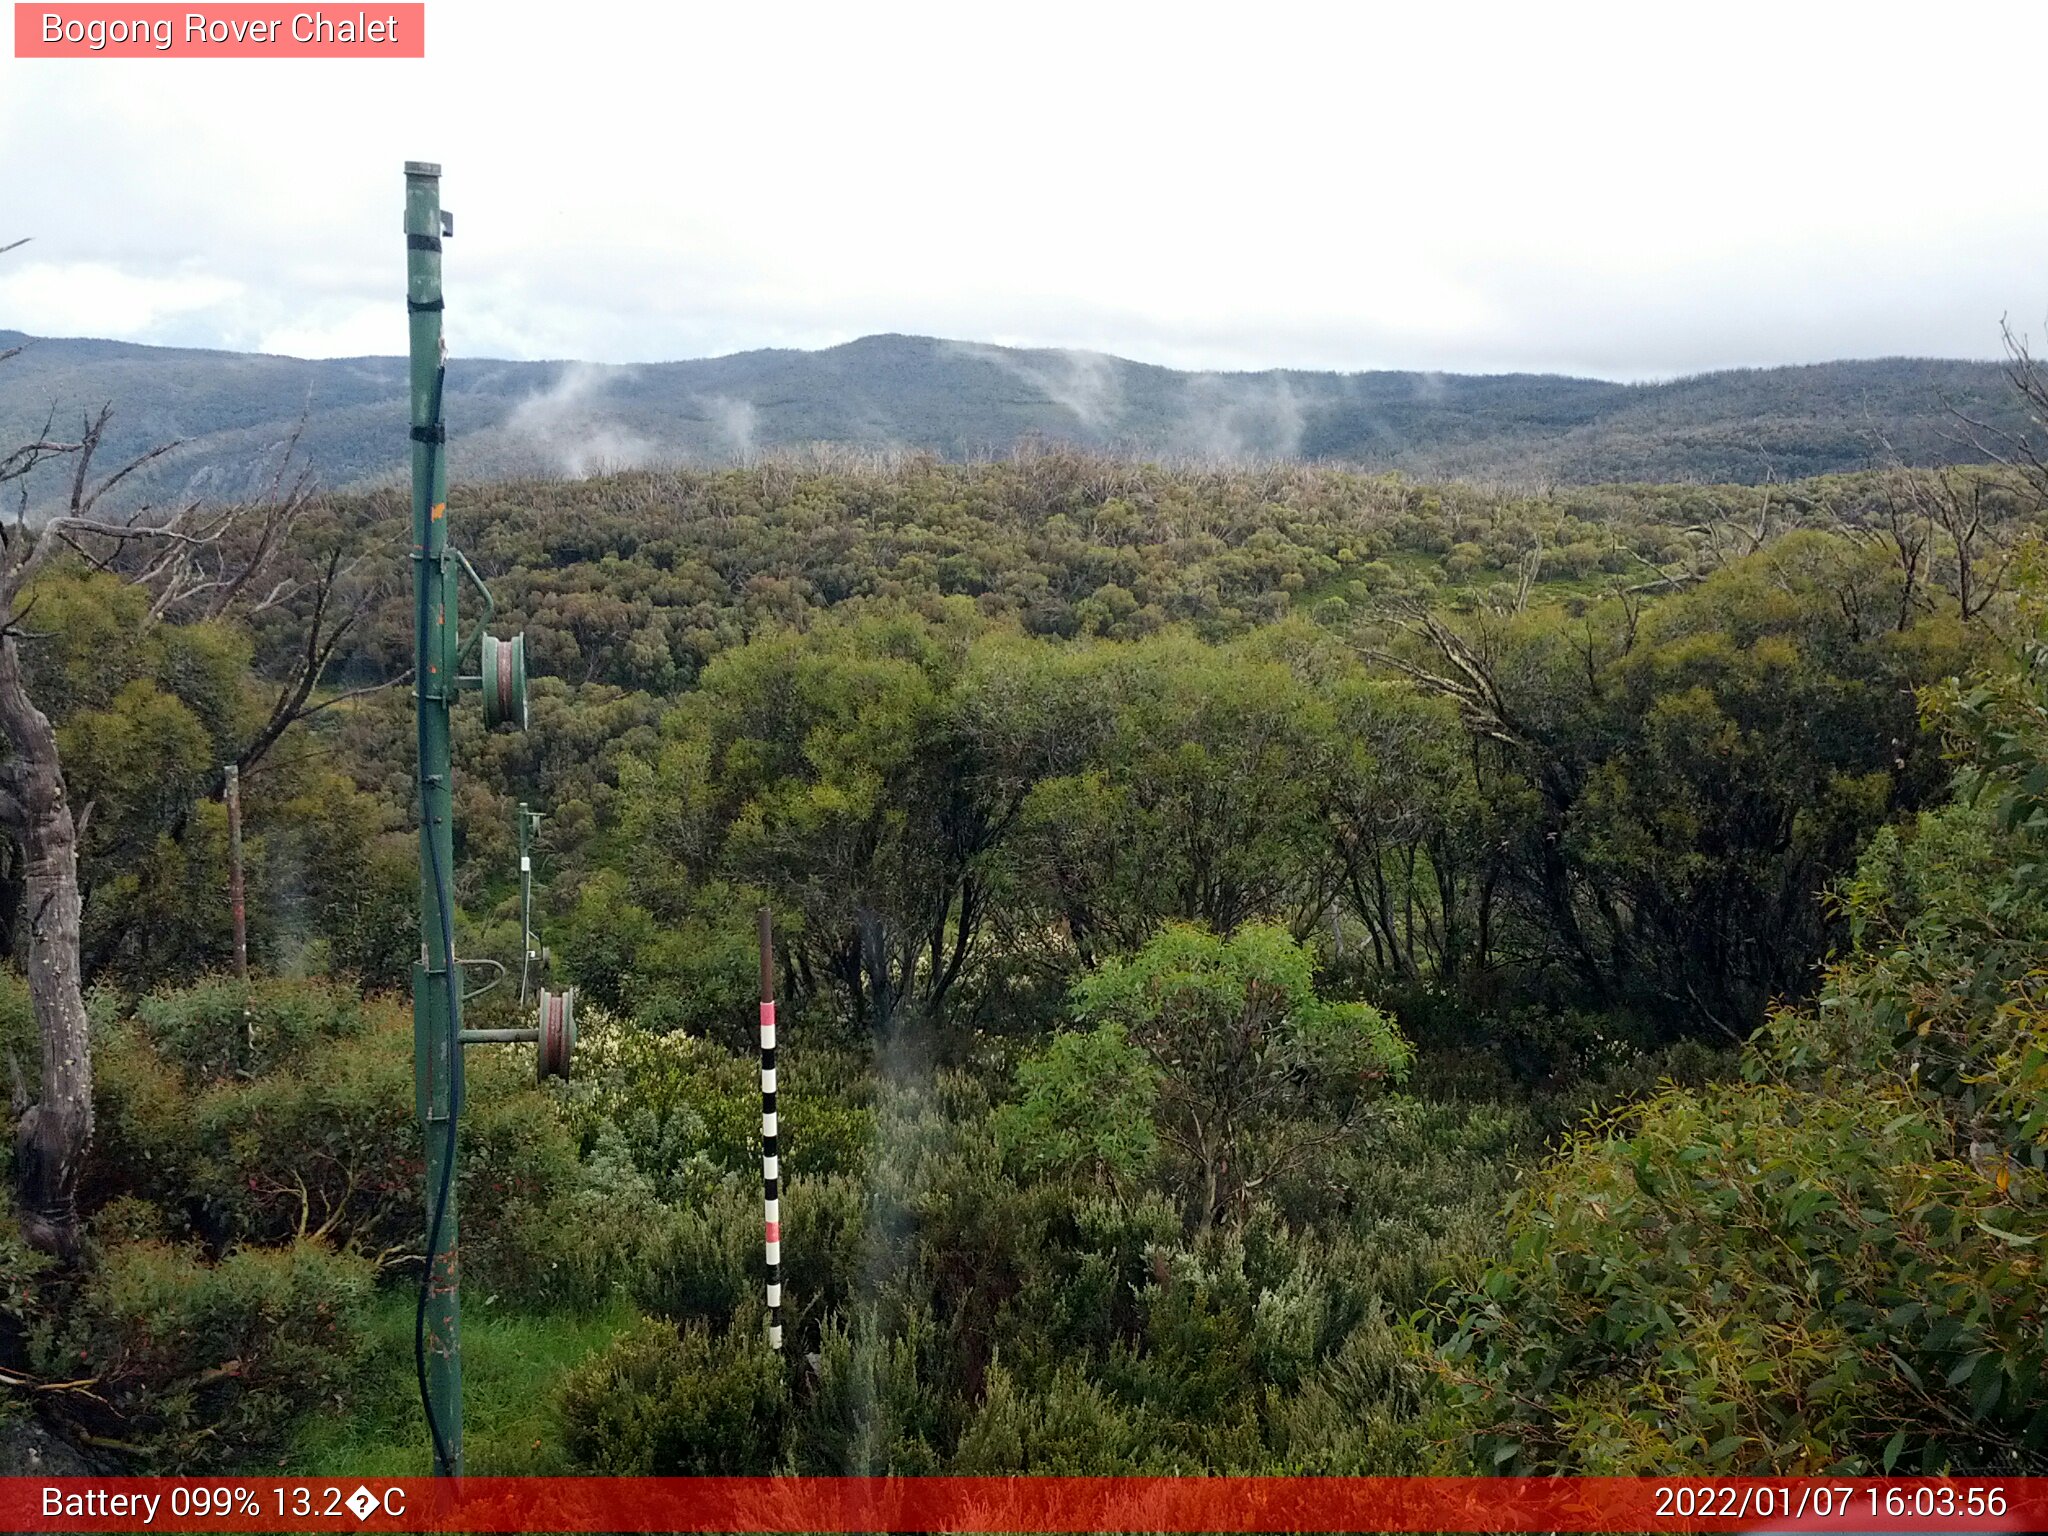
(889, 394)
(1284, 970)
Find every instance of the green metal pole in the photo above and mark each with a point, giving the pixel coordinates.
(437, 1001)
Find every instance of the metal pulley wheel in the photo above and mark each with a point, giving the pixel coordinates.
(557, 1034)
(504, 681)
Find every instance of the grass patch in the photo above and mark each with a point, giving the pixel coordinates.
(512, 1366)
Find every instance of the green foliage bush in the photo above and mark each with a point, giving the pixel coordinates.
(1834, 1264)
(883, 1403)
(705, 1264)
(825, 1252)
(688, 1110)
(195, 1364)
(220, 1028)
(1759, 1279)
(691, 969)
(667, 1403)
(1070, 1429)
(1086, 1103)
(20, 1046)
(1234, 1053)
(268, 1111)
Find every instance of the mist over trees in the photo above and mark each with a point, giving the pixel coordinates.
(896, 395)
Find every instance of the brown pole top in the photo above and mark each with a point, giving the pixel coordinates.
(767, 956)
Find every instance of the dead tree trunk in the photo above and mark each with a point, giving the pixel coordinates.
(187, 562)
(52, 1134)
(53, 1130)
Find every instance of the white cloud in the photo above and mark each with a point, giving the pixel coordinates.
(1624, 189)
(345, 330)
(97, 298)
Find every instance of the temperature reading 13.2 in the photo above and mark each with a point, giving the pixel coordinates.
(307, 1501)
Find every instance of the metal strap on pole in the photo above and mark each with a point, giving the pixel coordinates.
(771, 1161)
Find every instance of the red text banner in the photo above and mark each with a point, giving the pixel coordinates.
(377, 31)
(992, 1504)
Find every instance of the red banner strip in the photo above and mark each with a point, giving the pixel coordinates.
(233, 31)
(991, 1504)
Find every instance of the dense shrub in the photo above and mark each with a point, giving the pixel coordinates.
(1223, 1042)
(704, 1263)
(667, 1403)
(220, 1028)
(824, 1249)
(1070, 1429)
(687, 1111)
(1085, 1105)
(18, 1040)
(886, 1401)
(1757, 1279)
(1834, 1264)
(189, 1364)
(271, 1111)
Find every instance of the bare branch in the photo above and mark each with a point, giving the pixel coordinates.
(106, 485)
(19, 461)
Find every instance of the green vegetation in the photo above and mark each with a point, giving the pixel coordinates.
(1281, 971)
(1835, 1261)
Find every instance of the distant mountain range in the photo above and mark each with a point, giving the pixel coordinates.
(961, 399)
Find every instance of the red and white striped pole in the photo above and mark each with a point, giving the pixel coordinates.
(771, 1162)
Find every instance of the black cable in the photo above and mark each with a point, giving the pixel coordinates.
(444, 1462)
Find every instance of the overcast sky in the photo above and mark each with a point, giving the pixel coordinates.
(1631, 192)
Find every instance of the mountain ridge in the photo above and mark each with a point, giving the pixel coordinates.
(893, 392)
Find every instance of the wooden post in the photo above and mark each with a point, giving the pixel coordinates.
(236, 900)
